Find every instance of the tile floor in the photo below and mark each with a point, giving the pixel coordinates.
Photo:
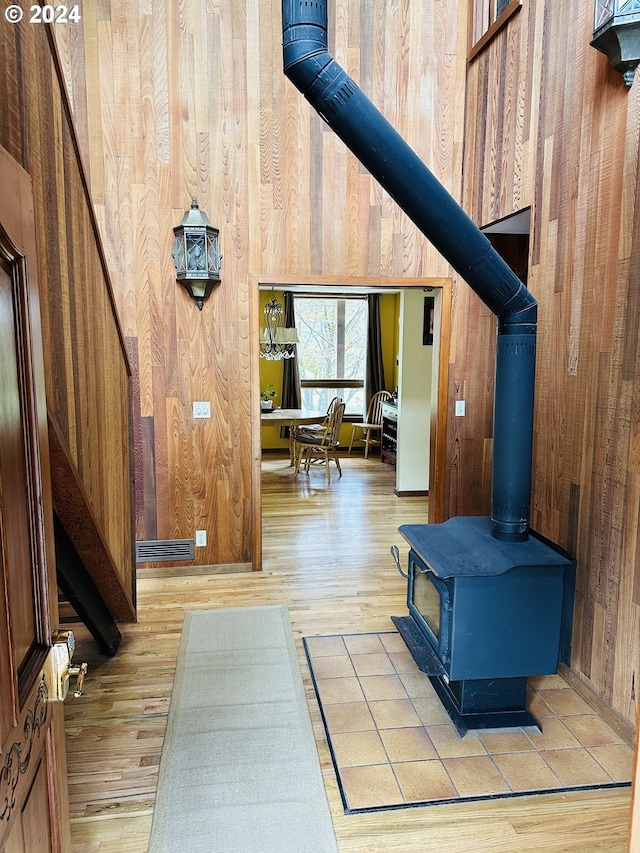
(393, 744)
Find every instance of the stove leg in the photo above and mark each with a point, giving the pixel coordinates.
(491, 703)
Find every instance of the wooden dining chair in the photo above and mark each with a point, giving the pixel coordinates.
(371, 426)
(314, 430)
(317, 429)
(321, 447)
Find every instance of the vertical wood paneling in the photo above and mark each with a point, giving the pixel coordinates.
(190, 99)
(86, 366)
(573, 157)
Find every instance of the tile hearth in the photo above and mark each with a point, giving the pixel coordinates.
(393, 744)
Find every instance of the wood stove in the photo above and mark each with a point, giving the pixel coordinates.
(484, 615)
(490, 602)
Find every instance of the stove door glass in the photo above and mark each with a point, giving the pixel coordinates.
(427, 599)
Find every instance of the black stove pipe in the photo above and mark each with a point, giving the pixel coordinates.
(379, 147)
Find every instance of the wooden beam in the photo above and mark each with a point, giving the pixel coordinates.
(73, 508)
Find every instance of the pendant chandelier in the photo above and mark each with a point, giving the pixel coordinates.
(276, 340)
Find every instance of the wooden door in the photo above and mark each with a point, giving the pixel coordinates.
(34, 812)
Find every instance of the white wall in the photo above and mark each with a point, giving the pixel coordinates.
(415, 375)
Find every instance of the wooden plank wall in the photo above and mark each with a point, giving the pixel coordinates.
(86, 367)
(174, 100)
(549, 125)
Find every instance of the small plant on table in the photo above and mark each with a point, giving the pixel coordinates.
(267, 396)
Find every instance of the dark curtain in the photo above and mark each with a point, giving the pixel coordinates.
(375, 367)
(291, 393)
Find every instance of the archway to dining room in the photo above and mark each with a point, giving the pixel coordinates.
(422, 317)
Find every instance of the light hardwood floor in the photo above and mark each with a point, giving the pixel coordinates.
(326, 555)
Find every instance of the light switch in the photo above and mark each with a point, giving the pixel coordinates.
(460, 408)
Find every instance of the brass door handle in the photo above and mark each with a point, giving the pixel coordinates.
(64, 645)
(80, 671)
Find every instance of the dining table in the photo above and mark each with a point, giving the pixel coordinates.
(294, 419)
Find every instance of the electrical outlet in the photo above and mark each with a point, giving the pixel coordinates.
(201, 538)
(201, 409)
(460, 408)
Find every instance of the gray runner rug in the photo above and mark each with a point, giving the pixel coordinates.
(239, 771)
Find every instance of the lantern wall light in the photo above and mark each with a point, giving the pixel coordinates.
(196, 254)
(616, 33)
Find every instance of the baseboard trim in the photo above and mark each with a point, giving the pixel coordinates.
(608, 715)
(182, 571)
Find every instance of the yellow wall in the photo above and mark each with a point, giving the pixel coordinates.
(389, 322)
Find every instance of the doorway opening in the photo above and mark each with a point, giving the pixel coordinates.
(409, 293)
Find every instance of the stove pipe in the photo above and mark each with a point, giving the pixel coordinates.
(379, 147)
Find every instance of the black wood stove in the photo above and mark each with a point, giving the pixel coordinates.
(489, 602)
(484, 615)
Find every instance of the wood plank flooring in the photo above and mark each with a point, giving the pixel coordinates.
(326, 555)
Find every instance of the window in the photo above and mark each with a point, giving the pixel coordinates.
(488, 17)
(332, 351)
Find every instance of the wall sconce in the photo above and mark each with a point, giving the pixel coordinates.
(196, 254)
(616, 33)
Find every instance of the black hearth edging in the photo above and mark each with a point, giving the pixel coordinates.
(430, 803)
(336, 769)
(482, 798)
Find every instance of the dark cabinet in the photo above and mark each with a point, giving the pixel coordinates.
(389, 447)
